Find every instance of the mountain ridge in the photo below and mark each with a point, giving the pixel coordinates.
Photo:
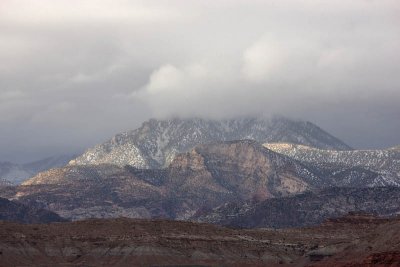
(384, 164)
(17, 173)
(156, 142)
(206, 176)
(12, 211)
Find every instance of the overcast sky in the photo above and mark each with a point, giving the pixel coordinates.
(75, 72)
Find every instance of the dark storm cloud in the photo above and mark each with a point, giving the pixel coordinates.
(73, 73)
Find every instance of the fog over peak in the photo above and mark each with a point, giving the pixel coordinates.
(73, 73)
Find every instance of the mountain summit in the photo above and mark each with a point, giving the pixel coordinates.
(156, 143)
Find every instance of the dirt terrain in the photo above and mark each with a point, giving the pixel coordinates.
(354, 240)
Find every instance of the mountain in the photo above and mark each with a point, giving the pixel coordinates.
(17, 173)
(306, 209)
(207, 176)
(196, 181)
(4, 182)
(17, 212)
(157, 142)
(215, 173)
(378, 167)
(14, 173)
(48, 163)
(354, 240)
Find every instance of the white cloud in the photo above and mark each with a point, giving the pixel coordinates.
(11, 95)
(166, 79)
(74, 11)
(263, 60)
(328, 61)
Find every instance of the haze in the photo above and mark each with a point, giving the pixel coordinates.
(73, 73)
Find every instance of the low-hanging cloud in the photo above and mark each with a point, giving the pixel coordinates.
(73, 73)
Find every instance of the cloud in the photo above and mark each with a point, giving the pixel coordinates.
(92, 11)
(73, 73)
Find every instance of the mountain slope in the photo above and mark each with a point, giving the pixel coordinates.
(17, 212)
(17, 173)
(202, 179)
(156, 142)
(101, 191)
(369, 167)
(205, 177)
(211, 174)
(309, 208)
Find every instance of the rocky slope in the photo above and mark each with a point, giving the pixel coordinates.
(202, 179)
(309, 208)
(379, 167)
(101, 191)
(354, 239)
(17, 173)
(157, 142)
(17, 212)
(205, 177)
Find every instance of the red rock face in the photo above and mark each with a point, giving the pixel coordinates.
(243, 166)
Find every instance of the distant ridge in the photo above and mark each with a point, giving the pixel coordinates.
(306, 209)
(14, 174)
(24, 213)
(382, 164)
(157, 142)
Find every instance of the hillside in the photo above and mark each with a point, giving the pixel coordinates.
(354, 240)
(14, 173)
(29, 213)
(309, 208)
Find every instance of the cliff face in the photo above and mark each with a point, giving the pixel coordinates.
(243, 167)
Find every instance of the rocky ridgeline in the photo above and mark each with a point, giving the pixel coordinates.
(14, 174)
(157, 142)
(380, 167)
